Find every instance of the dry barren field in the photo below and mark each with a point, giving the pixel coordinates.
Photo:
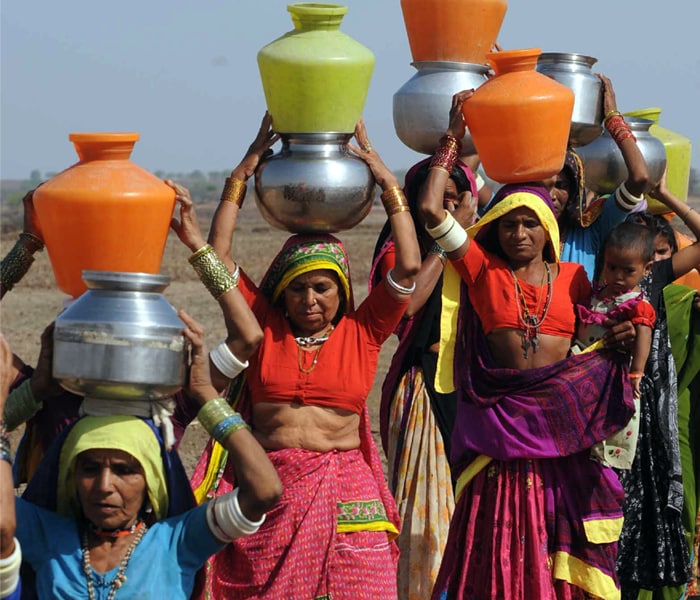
(36, 300)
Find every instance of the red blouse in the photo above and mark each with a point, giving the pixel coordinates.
(493, 295)
(347, 361)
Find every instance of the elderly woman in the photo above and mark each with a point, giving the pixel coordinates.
(110, 536)
(416, 420)
(332, 534)
(526, 414)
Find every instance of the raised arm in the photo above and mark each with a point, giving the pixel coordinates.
(224, 220)
(259, 487)
(637, 181)
(689, 257)
(401, 279)
(243, 333)
(442, 226)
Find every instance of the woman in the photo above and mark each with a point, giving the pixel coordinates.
(661, 498)
(584, 220)
(110, 536)
(415, 420)
(527, 415)
(332, 534)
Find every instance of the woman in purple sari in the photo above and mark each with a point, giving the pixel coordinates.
(534, 516)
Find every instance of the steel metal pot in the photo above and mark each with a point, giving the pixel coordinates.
(575, 72)
(121, 339)
(422, 104)
(604, 167)
(314, 184)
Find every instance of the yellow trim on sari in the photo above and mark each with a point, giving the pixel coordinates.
(603, 531)
(307, 266)
(216, 461)
(588, 578)
(375, 526)
(474, 468)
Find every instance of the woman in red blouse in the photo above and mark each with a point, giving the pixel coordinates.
(332, 534)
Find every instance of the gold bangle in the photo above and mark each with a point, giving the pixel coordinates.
(213, 272)
(394, 201)
(439, 168)
(611, 113)
(234, 191)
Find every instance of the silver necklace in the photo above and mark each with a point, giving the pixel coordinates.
(120, 577)
(308, 341)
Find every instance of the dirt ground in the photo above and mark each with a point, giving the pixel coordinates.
(36, 300)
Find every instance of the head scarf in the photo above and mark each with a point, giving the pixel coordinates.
(508, 198)
(303, 253)
(128, 434)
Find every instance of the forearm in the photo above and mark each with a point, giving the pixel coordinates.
(426, 280)
(21, 405)
(18, 261)
(642, 347)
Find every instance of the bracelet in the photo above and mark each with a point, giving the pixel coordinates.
(219, 419)
(441, 228)
(234, 191)
(9, 570)
(636, 375)
(438, 251)
(226, 361)
(687, 212)
(15, 265)
(447, 153)
(394, 201)
(449, 234)
(618, 128)
(611, 113)
(228, 426)
(213, 272)
(625, 200)
(20, 406)
(398, 287)
(226, 519)
(30, 237)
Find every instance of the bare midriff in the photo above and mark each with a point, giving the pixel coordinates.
(283, 425)
(506, 346)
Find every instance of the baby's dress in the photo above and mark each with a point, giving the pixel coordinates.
(619, 449)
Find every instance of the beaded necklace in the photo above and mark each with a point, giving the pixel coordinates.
(308, 342)
(115, 533)
(120, 577)
(530, 321)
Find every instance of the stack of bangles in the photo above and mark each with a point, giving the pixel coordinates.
(18, 260)
(617, 127)
(394, 201)
(213, 272)
(220, 420)
(5, 450)
(449, 234)
(234, 191)
(447, 153)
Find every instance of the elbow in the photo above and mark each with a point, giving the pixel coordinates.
(267, 496)
(638, 181)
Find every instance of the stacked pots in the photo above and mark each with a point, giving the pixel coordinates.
(449, 41)
(315, 80)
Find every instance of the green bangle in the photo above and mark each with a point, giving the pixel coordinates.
(214, 412)
(213, 272)
(21, 405)
(15, 265)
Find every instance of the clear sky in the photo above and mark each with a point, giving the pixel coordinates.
(184, 74)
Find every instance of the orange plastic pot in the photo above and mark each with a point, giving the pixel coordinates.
(103, 213)
(519, 119)
(452, 30)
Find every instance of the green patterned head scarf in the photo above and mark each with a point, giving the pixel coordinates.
(303, 253)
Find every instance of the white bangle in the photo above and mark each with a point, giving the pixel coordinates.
(453, 239)
(9, 570)
(398, 287)
(625, 200)
(226, 361)
(442, 228)
(226, 519)
(480, 183)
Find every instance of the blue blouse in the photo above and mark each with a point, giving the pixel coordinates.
(163, 564)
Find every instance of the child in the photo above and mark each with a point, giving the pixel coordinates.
(627, 256)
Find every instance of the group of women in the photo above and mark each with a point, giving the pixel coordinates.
(487, 418)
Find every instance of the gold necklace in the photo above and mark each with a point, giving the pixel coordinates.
(530, 321)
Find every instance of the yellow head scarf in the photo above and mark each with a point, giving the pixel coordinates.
(128, 434)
